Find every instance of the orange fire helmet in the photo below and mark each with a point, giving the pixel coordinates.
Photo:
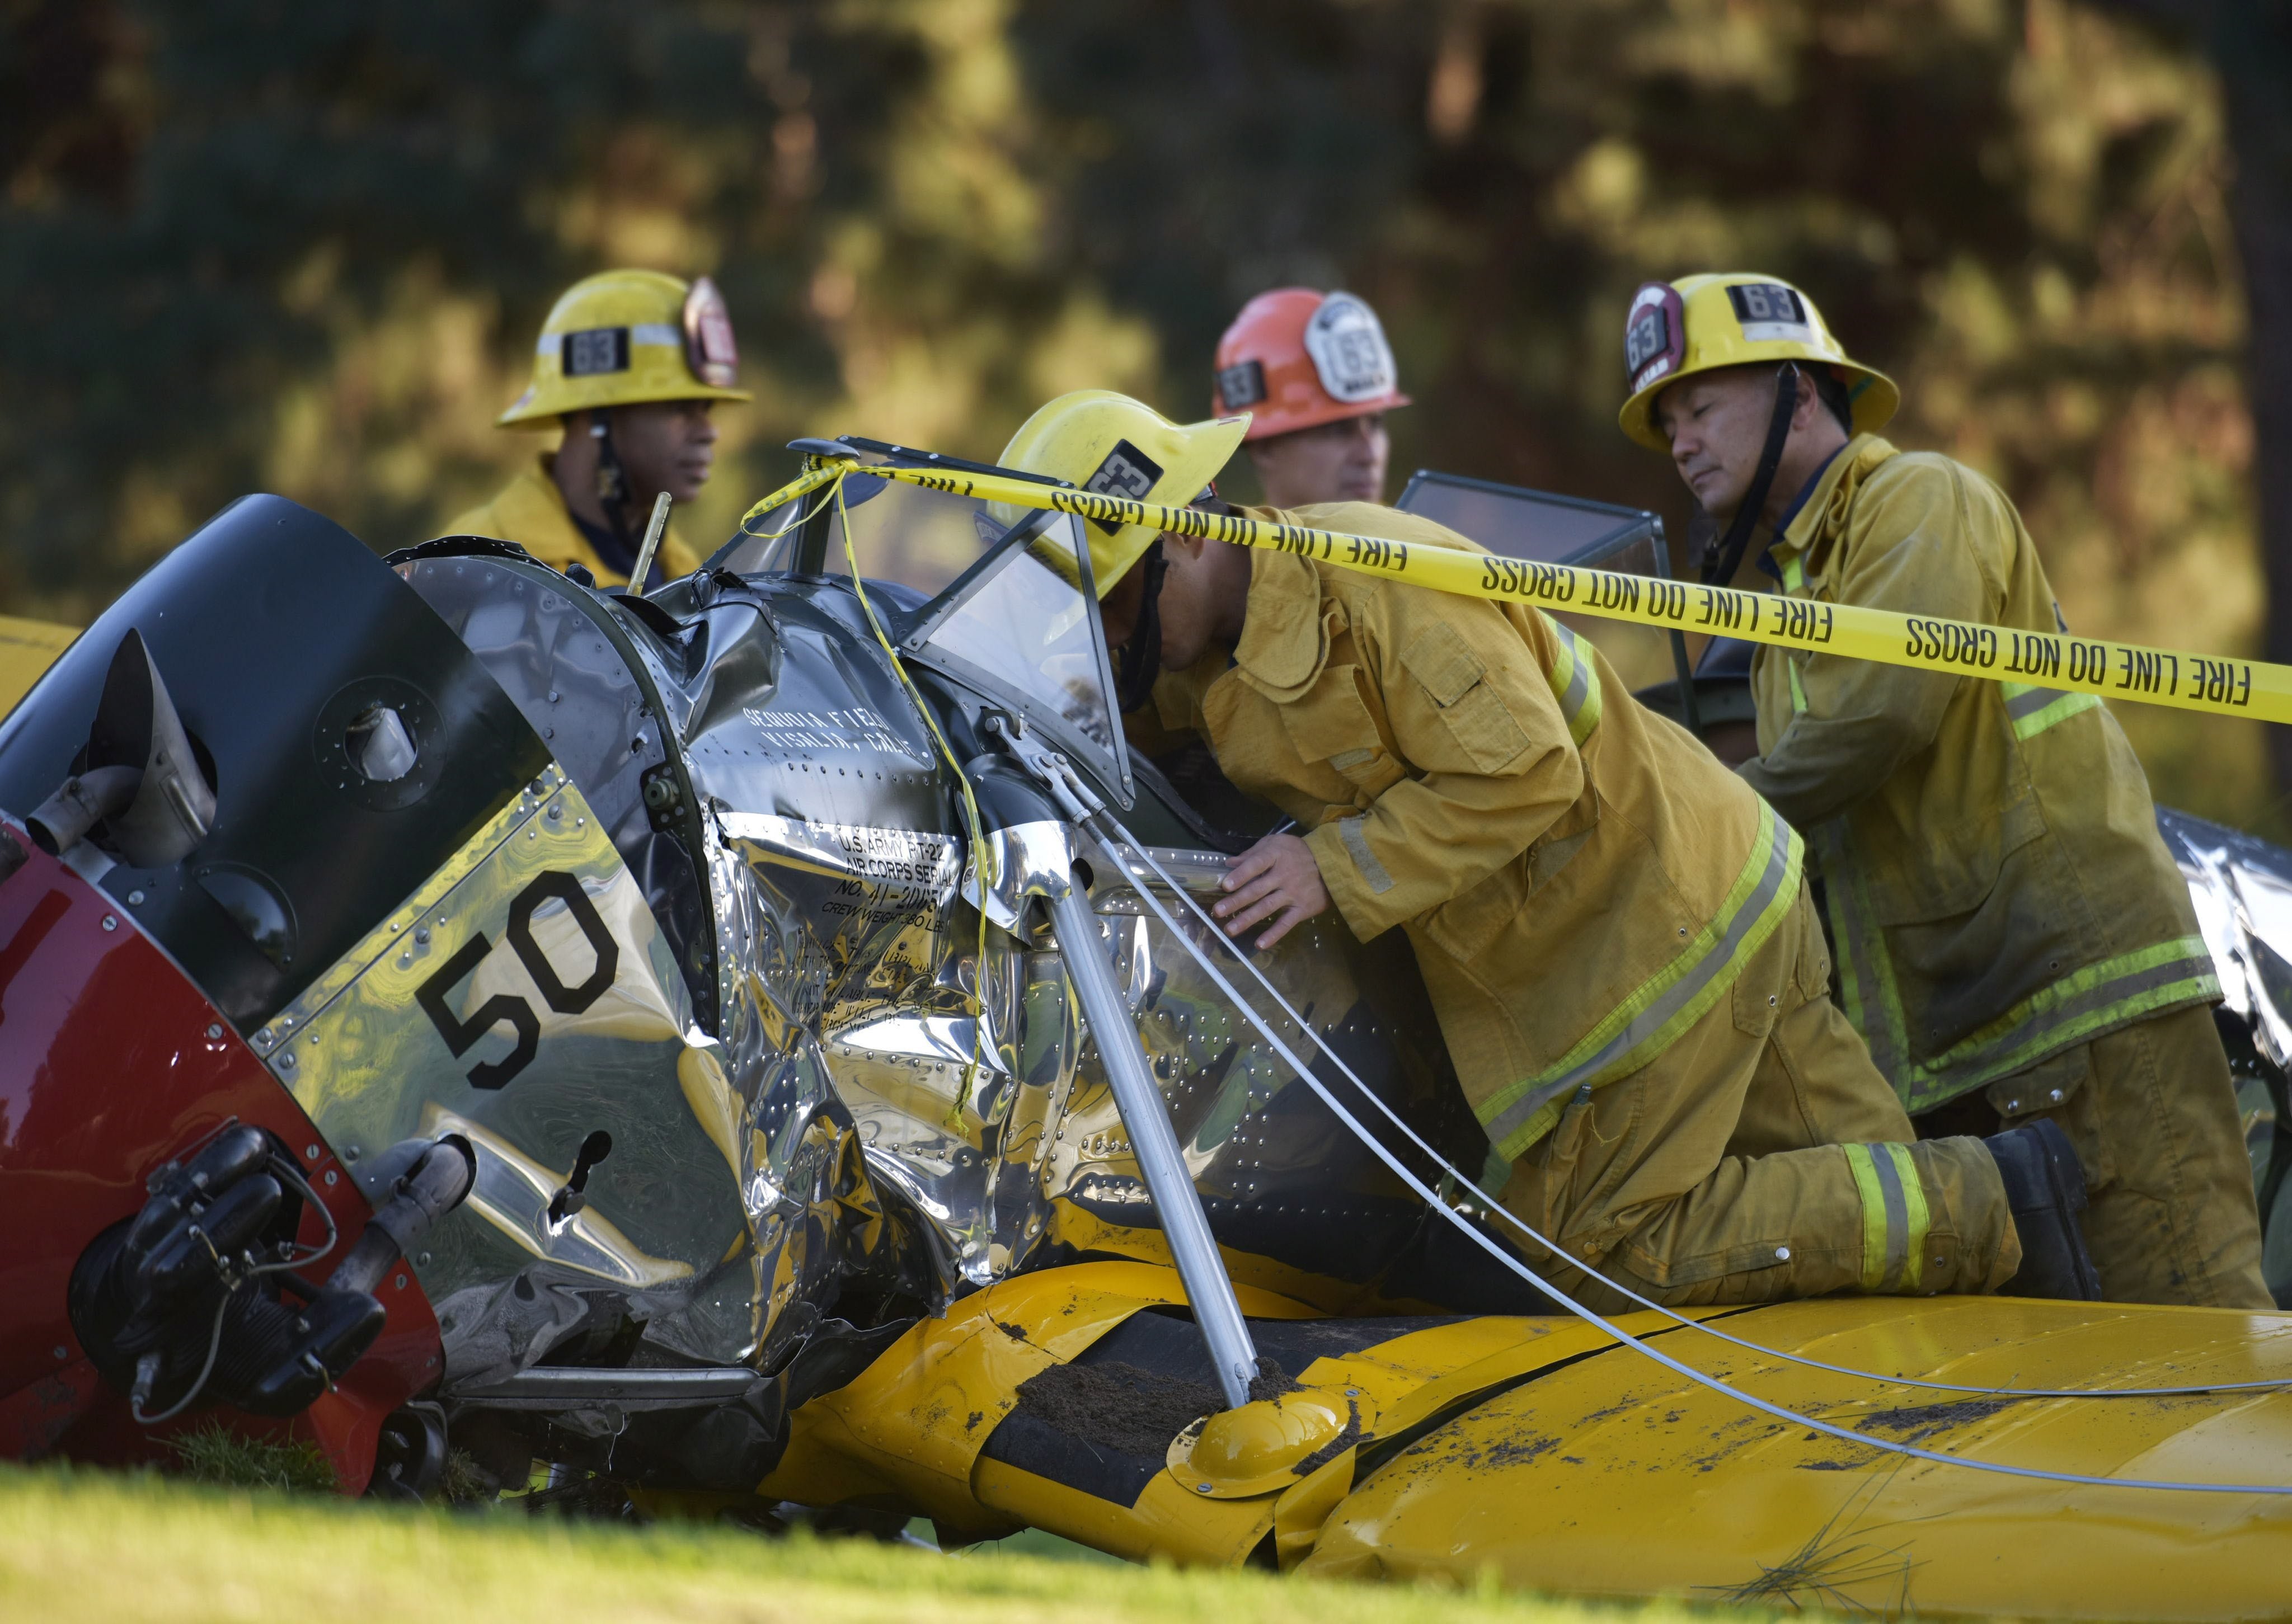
(1296, 359)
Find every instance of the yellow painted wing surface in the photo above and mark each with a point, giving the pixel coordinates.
(1541, 1450)
(1616, 1478)
(28, 647)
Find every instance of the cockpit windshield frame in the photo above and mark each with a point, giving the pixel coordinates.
(1110, 765)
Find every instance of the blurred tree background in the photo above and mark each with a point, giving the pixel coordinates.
(304, 247)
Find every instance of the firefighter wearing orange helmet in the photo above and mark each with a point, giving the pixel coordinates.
(1316, 375)
(630, 364)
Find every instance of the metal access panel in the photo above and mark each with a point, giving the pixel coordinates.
(1546, 529)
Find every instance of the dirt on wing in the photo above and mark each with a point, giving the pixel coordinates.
(1119, 1407)
(1913, 1422)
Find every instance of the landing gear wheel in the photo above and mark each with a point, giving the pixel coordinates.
(409, 1461)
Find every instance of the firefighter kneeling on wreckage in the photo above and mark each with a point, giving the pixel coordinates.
(2015, 941)
(1630, 975)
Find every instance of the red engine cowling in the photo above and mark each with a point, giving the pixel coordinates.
(114, 1066)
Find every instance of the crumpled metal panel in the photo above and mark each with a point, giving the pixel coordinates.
(725, 1215)
(2243, 889)
(844, 970)
(821, 781)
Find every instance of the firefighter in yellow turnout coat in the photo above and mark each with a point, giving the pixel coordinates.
(1628, 972)
(2013, 938)
(630, 364)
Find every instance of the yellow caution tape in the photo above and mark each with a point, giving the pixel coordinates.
(1925, 642)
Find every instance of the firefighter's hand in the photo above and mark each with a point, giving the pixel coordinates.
(1275, 879)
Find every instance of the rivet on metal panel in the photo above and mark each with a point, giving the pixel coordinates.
(1782, 1254)
(214, 1029)
(310, 1151)
(110, 922)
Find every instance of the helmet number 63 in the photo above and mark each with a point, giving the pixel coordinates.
(461, 1033)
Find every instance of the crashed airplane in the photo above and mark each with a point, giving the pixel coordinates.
(755, 1046)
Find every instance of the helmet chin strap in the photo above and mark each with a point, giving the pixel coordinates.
(1139, 660)
(612, 479)
(1723, 555)
(1142, 653)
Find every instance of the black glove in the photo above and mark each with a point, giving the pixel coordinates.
(2045, 1186)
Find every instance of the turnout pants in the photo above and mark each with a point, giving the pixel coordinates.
(2152, 1113)
(1760, 1157)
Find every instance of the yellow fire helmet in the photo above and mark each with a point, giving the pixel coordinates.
(1108, 443)
(622, 337)
(1732, 318)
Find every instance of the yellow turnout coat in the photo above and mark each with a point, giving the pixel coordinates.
(2013, 938)
(1577, 876)
(1996, 887)
(1613, 927)
(530, 511)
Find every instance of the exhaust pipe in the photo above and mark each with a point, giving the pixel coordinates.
(142, 781)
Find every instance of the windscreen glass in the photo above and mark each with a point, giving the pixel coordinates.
(905, 535)
(1030, 627)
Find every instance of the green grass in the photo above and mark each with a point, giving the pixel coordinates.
(106, 1549)
(214, 1454)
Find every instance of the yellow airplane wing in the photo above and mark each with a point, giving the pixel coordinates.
(28, 647)
(1537, 1449)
